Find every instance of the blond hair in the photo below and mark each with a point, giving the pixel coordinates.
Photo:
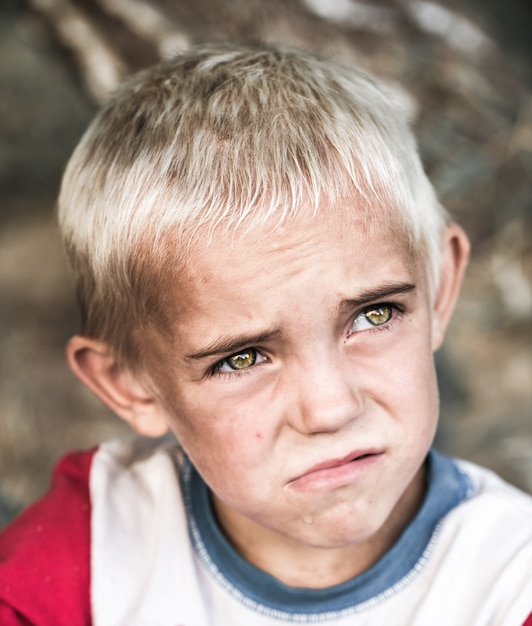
(231, 136)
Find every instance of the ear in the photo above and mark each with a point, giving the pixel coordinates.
(455, 254)
(95, 365)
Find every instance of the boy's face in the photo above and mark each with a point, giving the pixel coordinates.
(301, 380)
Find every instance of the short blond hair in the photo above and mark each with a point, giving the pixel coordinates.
(229, 135)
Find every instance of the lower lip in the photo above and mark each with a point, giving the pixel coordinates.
(337, 476)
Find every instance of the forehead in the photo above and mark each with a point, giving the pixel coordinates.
(339, 243)
(348, 219)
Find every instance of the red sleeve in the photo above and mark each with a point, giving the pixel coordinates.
(9, 617)
(45, 553)
(528, 621)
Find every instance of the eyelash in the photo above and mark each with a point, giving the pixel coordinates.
(215, 370)
(397, 311)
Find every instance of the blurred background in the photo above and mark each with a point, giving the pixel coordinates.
(464, 66)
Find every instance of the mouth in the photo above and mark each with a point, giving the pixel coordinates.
(336, 472)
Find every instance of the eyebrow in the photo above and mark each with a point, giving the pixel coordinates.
(234, 343)
(384, 291)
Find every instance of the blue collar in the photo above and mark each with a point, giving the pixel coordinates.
(447, 487)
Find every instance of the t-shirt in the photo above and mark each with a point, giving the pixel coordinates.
(127, 537)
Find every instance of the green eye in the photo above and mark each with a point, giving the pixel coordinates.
(379, 315)
(242, 360)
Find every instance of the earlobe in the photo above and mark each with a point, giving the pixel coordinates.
(95, 365)
(455, 254)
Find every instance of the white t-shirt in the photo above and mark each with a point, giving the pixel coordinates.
(159, 558)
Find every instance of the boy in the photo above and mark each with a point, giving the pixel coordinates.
(264, 272)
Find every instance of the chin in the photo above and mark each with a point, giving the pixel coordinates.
(338, 531)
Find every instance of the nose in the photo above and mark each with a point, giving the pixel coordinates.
(327, 395)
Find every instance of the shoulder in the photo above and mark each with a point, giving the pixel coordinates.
(484, 547)
(52, 555)
(496, 499)
(496, 520)
(139, 525)
(45, 552)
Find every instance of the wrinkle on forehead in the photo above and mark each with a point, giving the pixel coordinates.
(351, 215)
(297, 239)
(180, 266)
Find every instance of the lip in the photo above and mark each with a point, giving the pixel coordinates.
(336, 472)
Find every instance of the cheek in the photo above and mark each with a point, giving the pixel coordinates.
(408, 385)
(419, 403)
(416, 385)
(219, 436)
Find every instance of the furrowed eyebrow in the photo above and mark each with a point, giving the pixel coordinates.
(230, 345)
(384, 291)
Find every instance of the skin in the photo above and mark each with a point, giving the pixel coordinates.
(314, 450)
